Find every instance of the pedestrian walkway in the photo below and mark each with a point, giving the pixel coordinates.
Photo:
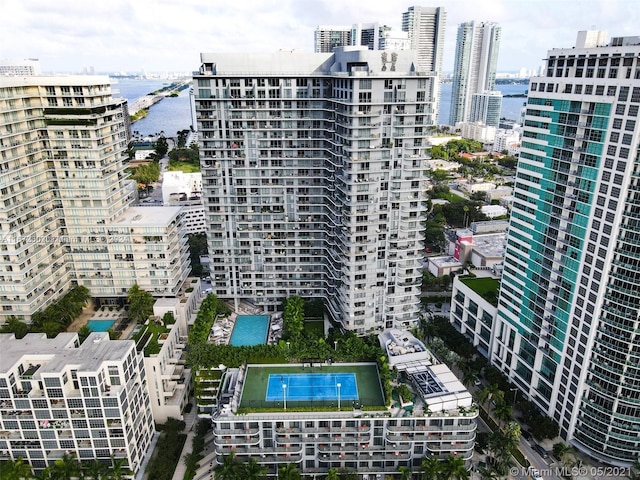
(190, 420)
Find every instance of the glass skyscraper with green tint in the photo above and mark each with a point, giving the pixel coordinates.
(568, 322)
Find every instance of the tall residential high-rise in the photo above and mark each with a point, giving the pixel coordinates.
(28, 66)
(425, 27)
(568, 324)
(474, 69)
(59, 397)
(328, 37)
(313, 180)
(486, 108)
(66, 217)
(370, 35)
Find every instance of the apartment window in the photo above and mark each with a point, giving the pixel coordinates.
(623, 94)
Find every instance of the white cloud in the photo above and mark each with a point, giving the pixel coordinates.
(161, 35)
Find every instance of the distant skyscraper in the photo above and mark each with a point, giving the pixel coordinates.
(328, 37)
(425, 27)
(475, 66)
(486, 107)
(568, 324)
(28, 66)
(370, 35)
(313, 181)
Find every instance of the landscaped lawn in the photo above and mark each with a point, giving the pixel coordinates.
(184, 167)
(314, 328)
(486, 287)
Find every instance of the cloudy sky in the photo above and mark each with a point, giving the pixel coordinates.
(168, 35)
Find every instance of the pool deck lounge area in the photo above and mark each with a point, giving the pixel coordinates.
(222, 328)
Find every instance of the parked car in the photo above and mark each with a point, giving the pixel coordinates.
(543, 453)
(534, 474)
(526, 435)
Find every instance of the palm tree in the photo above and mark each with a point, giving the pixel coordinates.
(289, 472)
(332, 474)
(16, 470)
(119, 468)
(66, 468)
(253, 470)
(230, 469)
(405, 473)
(94, 470)
(503, 412)
(431, 468)
(634, 471)
(490, 392)
(454, 468)
(488, 473)
(470, 376)
(562, 452)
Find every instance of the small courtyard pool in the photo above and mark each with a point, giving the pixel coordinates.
(100, 325)
(250, 330)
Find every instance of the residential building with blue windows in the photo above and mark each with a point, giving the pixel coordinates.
(568, 321)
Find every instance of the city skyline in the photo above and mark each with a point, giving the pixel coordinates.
(159, 36)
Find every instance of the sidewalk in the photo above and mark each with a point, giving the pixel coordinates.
(190, 420)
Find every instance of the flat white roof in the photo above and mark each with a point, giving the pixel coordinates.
(54, 355)
(151, 216)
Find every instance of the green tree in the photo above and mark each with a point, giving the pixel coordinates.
(488, 473)
(229, 469)
(253, 470)
(634, 470)
(405, 473)
(119, 469)
(15, 470)
(431, 468)
(147, 174)
(544, 427)
(182, 138)
(490, 392)
(15, 326)
(293, 316)
(564, 453)
(162, 147)
(66, 468)
(454, 468)
(94, 470)
(83, 333)
(140, 304)
(289, 471)
(503, 412)
(332, 474)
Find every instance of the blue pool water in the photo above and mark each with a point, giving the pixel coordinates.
(250, 330)
(100, 325)
(312, 386)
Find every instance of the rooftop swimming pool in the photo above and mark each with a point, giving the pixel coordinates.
(250, 330)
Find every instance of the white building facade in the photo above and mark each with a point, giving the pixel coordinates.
(486, 108)
(59, 397)
(475, 65)
(62, 178)
(569, 313)
(313, 181)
